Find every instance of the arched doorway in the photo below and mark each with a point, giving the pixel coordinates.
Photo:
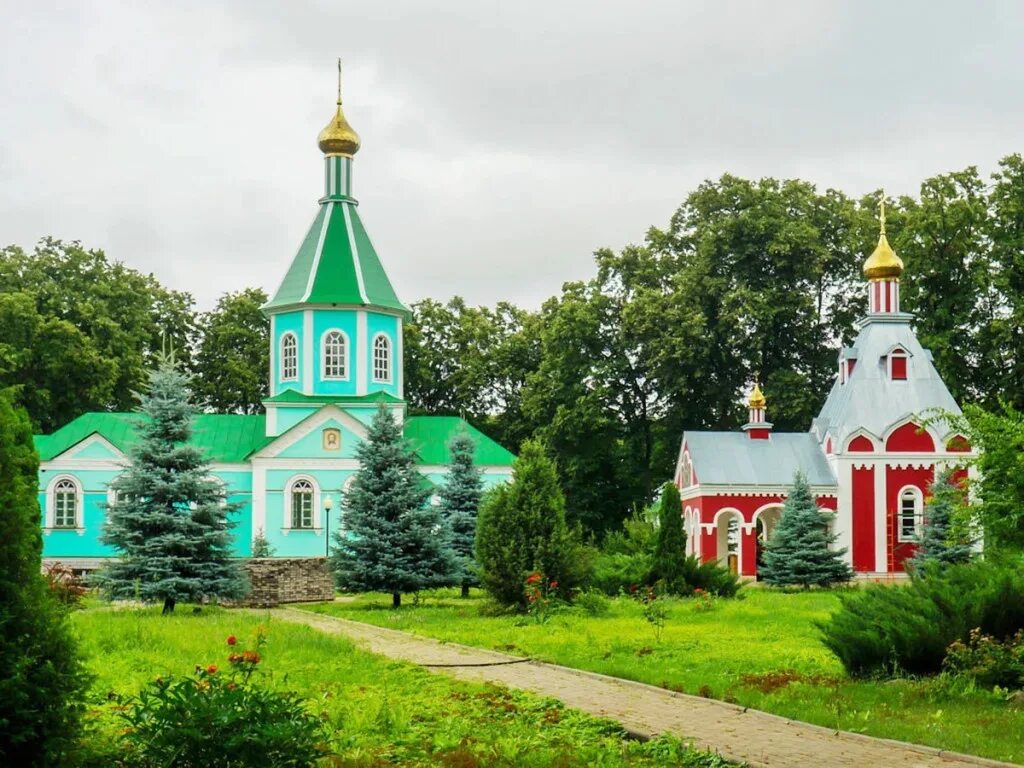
(728, 538)
(765, 521)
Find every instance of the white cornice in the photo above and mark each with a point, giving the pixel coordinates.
(696, 491)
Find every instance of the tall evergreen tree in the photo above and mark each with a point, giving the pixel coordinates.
(522, 527)
(394, 540)
(941, 541)
(169, 522)
(460, 500)
(669, 564)
(800, 551)
(41, 678)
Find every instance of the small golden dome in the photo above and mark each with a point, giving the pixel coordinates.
(883, 262)
(338, 137)
(757, 399)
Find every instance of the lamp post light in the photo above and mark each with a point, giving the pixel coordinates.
(328, 506)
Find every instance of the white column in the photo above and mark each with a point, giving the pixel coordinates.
(881, 520)
(307, 351)
(361, 352)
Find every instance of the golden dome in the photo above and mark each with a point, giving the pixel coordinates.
(757, 398)
(338, 137)
(883, 262)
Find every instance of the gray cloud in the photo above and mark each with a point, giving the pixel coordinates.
(502, 143)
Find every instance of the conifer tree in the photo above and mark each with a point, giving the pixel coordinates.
(669, 565)
(460, 500)
(169, 521)
(394, 540)
(800, 550)
(522, 528)
(940, 541)
(41, 677)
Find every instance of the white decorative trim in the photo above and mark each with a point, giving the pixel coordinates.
(307, 351)
(259, 499)
(307, 426)
(361, 354)
(271, 423)
(61, 465)
(487, 469)
(355, 254)
(323, 355)
(51, 503)
(695, 491)
(319, 250)
(391, 358)
(298, 307)
(286, 523)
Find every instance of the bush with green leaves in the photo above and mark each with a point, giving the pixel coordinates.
(216, 717)
(986, 661)
(42, 680)
(521, 528)
(616, 572)
(669, 562)
(908, 629)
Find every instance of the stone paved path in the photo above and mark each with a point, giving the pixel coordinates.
(740, 734)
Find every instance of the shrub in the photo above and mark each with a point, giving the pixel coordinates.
(987, 661)
(883, 629)
(41, 678)
(615, 573)
(669, 565)
(217, 718)
(66, 588)
(521, 528)
(711, 577)
(592, 603)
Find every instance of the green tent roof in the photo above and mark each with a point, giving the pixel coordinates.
(429, 436)
(231, 438)
(337, 264)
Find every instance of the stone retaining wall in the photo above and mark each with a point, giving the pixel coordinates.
(277, 580)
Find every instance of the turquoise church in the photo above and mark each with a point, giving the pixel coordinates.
(335, 359)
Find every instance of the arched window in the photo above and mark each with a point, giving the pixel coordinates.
(911, 514)
(289, 357)
(301, 493)
(898, 364)
(382, 359)
(335, 356)
(65, 504)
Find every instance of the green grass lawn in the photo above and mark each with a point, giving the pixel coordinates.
(760, 651)
(380, 712)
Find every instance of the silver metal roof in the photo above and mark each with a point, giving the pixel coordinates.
(733, 458)
(870, 399)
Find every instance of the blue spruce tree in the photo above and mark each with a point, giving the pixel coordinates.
(394, 540)
(460, 500)
(940, 541)
(800, 551)
(169, 521)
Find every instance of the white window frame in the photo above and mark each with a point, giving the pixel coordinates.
(324, 374)
(284, 358)
(906, 492)
(51, 504)
(390, 358)
(288, 502)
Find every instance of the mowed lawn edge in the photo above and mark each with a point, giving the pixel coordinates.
(762, 651)
(378, 709)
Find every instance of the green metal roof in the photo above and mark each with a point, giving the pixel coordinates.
(337, 264)
(429, 436)
(292, 396)
(231, 438)
(223, 438)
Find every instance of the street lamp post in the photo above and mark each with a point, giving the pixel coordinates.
(328, 505)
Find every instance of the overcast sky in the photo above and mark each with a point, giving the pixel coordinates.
(502, 142)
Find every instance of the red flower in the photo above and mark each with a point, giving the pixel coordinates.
(232, 639)
(234, 658)
(212, 669)
(251, 657)
(553, 585)
(698, 591)
(632, 588)
(533, 578)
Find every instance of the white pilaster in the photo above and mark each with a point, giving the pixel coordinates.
(844, 508)
(400, 360)
(259, 499)
(881, 519)
(307, 351)
(361, 352)
(273, 355)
